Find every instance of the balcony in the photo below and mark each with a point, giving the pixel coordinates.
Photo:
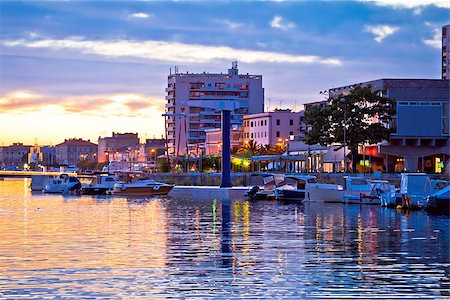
(170, 88)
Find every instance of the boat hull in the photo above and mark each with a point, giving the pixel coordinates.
(143, 191)
(321, 194)
(296, 195)
(95, 191)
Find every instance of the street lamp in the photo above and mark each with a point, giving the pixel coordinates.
(342, 100)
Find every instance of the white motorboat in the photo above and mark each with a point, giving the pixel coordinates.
(38, 182)
(324, 192)
(138, 184)
(102, 184)
(439, 201)
(62, 185)
(294, 187)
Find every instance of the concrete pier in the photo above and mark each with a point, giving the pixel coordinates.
(208, 192)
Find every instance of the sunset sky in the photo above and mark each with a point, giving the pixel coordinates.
(84, 69)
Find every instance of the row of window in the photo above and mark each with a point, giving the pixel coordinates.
(264, 123)
(215, 93)
(217, 85)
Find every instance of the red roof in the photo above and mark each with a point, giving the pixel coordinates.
(76, 142)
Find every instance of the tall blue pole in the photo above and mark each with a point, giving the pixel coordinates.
(226, 149)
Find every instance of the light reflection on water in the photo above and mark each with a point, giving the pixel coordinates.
(51, 245)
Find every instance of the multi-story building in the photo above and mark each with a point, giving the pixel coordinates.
(15, 155)
(48, 155)
(117, 146)
(152, 148)
(214, 140)
(445, 52)
(71, 151)
(194, 103)
(270, 128)
(420, 138)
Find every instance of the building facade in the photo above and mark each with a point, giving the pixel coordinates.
(445, 52)
(194, 103)
(117, 146)
(214, 140)
(270, 128)
(420, 138)
(15, 155)
(71, 151)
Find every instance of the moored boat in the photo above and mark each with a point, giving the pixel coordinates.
(102, 184)
(138, 184)
(439, 201)
(64, 184)
(262, 185)
(294, 187)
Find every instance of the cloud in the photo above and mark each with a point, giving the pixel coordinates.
(139, 15)
(230, 24)
(117, 104)
(279, 23)
(410, 4)
(381, 31)
(168, 51)
(436, 41)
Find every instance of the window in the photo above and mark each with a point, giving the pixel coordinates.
(278, 134)
(278, 122)
(265, 134)
(265, 122)
(291, 122)
(251, 124)
(291, 133)
(252, 135)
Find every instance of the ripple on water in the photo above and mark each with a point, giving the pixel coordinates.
(88, 247)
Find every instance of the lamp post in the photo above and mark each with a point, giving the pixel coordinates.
(107, 159)
(154, 158)
(342, 100)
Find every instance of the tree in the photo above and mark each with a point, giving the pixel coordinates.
(249, 149)
(364, 114)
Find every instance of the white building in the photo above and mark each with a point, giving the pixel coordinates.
(194, 102)
(270, 128)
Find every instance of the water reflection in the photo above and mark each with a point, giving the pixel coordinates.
(158, 247)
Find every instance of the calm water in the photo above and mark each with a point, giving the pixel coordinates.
(87, 247)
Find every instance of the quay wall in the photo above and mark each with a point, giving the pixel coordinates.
(243, 179)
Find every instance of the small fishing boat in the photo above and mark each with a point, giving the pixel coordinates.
(294, 187)
(102, 184)
(262, 185)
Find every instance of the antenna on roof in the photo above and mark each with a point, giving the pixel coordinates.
(176, 69)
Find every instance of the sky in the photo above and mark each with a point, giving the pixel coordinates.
(87, 68)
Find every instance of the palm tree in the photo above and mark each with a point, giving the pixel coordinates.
(250, 147)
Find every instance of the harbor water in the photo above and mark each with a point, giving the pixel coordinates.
(54, 246)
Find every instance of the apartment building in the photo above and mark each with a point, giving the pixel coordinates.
(117, 146)
(14, 155)
(214, 140)
(71, 151)
(270, 128)
(445, 52)
(194, 103)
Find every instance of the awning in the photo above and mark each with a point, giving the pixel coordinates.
(334, 154)
(278, 158)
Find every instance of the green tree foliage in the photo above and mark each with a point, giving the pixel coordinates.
(363, 112)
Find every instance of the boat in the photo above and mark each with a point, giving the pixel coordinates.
(324, 192)
(64, 184)
(354, 187)
(138, 184)
(439, 201)
(262, 185)
(294, 187)
(102, 184)
(382, 191)
(38, 182)
(416, 187)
